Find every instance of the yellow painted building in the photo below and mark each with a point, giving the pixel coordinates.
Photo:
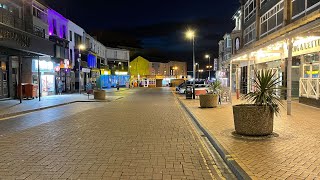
(139, 66)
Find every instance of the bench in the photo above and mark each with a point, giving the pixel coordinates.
(200, 92)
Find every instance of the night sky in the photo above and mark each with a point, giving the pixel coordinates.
(156, 24)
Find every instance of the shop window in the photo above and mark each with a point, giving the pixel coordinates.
(311, 58)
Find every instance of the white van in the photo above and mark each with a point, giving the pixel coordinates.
(198, 85)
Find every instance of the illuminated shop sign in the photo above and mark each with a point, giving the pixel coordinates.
(45, 66)
(121, 73)
(65, 64)
(313, 72)
(306, 45)
(20, 39)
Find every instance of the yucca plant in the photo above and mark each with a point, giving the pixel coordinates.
(215, 87)
(265, 94)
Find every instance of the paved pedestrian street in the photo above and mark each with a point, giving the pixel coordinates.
(144, 135)
(292, 155)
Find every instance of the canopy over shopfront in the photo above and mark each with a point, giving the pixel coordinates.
(297, 43)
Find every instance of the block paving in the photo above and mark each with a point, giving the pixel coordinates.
(145, 135)
(295, 154)
(12, 106)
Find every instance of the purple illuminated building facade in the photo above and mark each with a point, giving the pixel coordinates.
(58, 33)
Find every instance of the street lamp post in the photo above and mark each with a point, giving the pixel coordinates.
(200, 71)
(208, 56)
(197, 64)
(81, 47)
(190, 35)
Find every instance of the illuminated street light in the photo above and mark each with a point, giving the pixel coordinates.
(82, 47)
(190, 34)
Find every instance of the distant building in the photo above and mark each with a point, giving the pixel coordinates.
(157, 73)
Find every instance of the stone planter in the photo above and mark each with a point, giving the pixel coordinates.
(251, 120)
(99, 94)
(208, 100)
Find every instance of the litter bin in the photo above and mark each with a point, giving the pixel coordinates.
(31, 91)
(189, 92)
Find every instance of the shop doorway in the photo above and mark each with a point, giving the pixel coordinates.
(47, 85)
(3, 80)
(3, 84)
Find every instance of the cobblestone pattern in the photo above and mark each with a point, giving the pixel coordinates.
(143, 136)
(293, 155)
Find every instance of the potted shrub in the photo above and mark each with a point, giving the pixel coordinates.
(210, 99)
(256, 118)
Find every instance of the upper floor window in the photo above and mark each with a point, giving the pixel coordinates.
(39, 13)
(70, 35)
(300, 7)
(250, 34)
(228, 41)
(64, 34)
(249, 9)
(54, 24)
(77, 39)
(115, 54)
(272, 19)
(14, 10)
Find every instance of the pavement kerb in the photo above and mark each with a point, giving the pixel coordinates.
(227, 157)
(53, 106)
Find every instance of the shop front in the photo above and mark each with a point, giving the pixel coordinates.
(65, 76)
(300, 48)
(17, 48)
(49, 75)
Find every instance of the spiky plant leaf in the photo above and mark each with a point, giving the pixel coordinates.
(266, 86)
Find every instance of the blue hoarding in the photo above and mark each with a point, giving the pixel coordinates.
(108, 81)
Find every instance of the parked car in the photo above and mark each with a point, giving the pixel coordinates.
(179, 86)
(200, 85)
